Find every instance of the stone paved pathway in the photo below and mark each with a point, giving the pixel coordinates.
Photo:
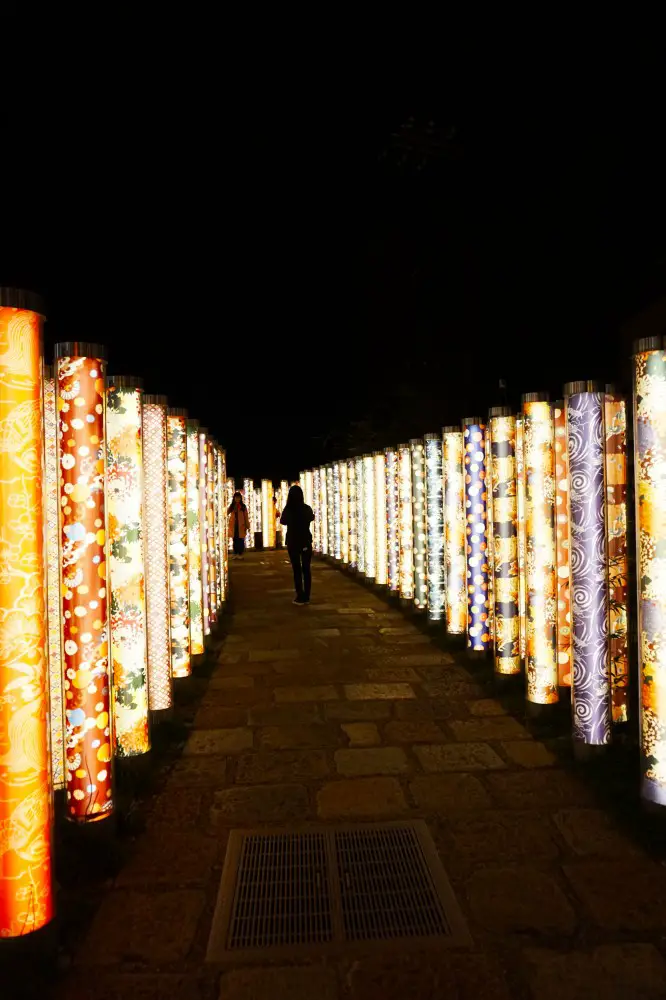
(347, 711)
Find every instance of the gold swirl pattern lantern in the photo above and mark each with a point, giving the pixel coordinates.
(194, 540)
(316, 510)
(334, 483)
(540, 562)
(360, 517)
(51, 477)
(615, 418)
(406, 523)
(454, 531)
(476, 531)
(248, 492)
(392, 520)
(85, 625)
(156, 515)
(522, 546)
(213, 606)
(26, 893)
(650, 478)
(502, 436)
(124, 489)
(353, 515)
(381, 554)
(179, 579)
(344, 512)
(435, 526)
(369, 528)
(562, 545)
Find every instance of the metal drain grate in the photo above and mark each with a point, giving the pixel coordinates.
(327, 888)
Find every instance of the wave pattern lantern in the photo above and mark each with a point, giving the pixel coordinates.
(541, 585)
(53, 582)
(474, 434)
(316, 510)
(590, 696)
(522, 546)
(502, 432)
(392, 520)
(194, 541)
(369, 526)
(406, 522)
(435, 526)
(562, 546)
(248, 490)
(353, 516)
(124, 486)
(334, 482)
(650, 477)
(158, 613)
(179, 581)
(26, 894)
(360, 516)
(419, 540)
(82, 457)
(203, 522)
(344, 512)
(211, 539)
(454, 532)
(323, 488)
(381, 556)
(616, 541)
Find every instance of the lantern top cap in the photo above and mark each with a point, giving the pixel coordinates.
(575, 388)
(535, 397)
(155, 399)
(500, 411)
(124, 382)
(451, 429)
(176, 411)
(471, 421)
(644, 344)
(21, 298)
(79, 349)
(432, 437)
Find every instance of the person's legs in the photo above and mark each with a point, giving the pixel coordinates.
(295, 557)
(306, 559)
(241, 547)
(238, 546)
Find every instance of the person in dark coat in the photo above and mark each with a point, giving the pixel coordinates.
(239, 524)
(297, 516)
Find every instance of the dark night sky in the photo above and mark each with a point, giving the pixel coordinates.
(259, 241)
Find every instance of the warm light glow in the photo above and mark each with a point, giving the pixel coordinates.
(502, 435)
(541, 663)
(85, 625)
(381, 555)
(522, 541)
(26, 894)
(353, 515)
(213, 606)
(203, 527)
(215, 492)
(248, 500)
(268, 513)
(194, 541)
(156, 514)
(282, 502)
(370, 529)
(454, 536)
(316, 509)
(360, 517)
(344, 512)
(490, 544)
(323, 492)
(406, 522)
(308, 489)
(53, 582)
(179, 581)
(392, 520)
(419, 538)
(616, 540)
(337, 526)
(562, 546)
(124, 491)
(478, 635)
(435, 526)
(223, 524)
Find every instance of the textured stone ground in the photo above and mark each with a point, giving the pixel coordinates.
(347, 711)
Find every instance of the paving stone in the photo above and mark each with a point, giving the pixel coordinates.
(325, 633)
(446, 793)
(458, 757)
(181, 811)
(625, 896)
(426, 731)
(232, 683)
(413, 639)
(322, 692)
(297, 737)
(218, 741)
(281, 766)
(109, 984)
(259, 804)
(429, 975)
(399, 630)
(591, 832)
(413, 711)
(380, 760)
(285, 715)
(529, 753)
(362, 734)
(418, 659)
(519, 900)
(235, 697)
(544, 789)
(485, 706)
(503, 836)
(152, 927)
(197, 771)
(219, 717)
(164, 856)
(371, 798)
(291, 982)
(352, 711)
(609, 972)
(500, 727)
(453, 685)
(267, 655)
(389, 674)
(377, 692)
(229, 658)
(356, 611)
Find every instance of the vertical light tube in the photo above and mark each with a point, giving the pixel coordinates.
(502, 431)
(406, 523)
(490, 544)
(360, 518)
(369, 529)
(203, 528)
(219, 570)
(316, 510)
(381, 552)
(392, 520)
(474, 434)
(51, 477)
(334, 471)
(194, 540)
(124, 491)
(26, 891)
(454, 536)
(268, 513)
(248, 500)
(213, 606)
(258, 513)
(419, 523)
(562, 545)
(435, 526)
(224, 524)
(344, 512)
(85, 624)
(179, 579)
(615, 415)
(330, 510)
(158, 611)
(323, 491)
(309, 488)
(522, 540)
(590, 696)
(353, 515)
(540, 575)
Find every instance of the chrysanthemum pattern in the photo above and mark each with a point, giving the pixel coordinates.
(179, 591)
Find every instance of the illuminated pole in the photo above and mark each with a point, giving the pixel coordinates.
(502, 432)
(308, 488)
(540, 562)
(454, 532)
(85, 635)
(156, 514)
(615, 415)
(268, 513)
(344, 512)
(124, 493)
(223, 524)
(248, 500)
(392, 520)
(203, 527)
(26, 892)
(213, 607)
(381, 552)
(179, 580)
(316, 510)
(360, 517)
(490, 543)
(258, 514)
(419, 538)
(353, 516)
(323, 488)
(474, 435)
(590, 696)
(562, 545)
(194, 541)
(406, 523)
(215, 493)
(369, 530)
(435, 526)
(330, 508)
(522, 540)
(334, 517)
(51, 477)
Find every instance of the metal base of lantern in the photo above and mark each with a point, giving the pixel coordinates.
(586, 753)
(158, 716)
(259, 541)
(476, 655)
(542, 713)
(29, 958)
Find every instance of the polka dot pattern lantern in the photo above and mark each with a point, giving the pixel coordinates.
(474, 438)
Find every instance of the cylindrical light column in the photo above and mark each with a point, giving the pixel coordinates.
(478, 635)
(392, 519)
(344, 512)
(309, 488)
(179, 578)
(210, 531)
(454, 531)
(419, 538)
(323, 489)
(406, 523)
(316, 510)
(334, 483)
(502, 431)
(203, 527)
(435, 526)
(369, 528)
(615, 418)
(248, 500)
(562, 545)
(360, 517)
(267, 513)
(490, 544)
(522, 541)
(194, 540)
(353, 516)
(381, 555)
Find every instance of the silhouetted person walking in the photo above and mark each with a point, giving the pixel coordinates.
(239, 523)
(298, 517)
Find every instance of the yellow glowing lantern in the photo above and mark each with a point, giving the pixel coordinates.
(213, 607)
(344, 513)
(392, 520)
(353, 516)
(179, 578)
(194, 540)
(434, 489)
(316, 509)
(615, 420)
(369, 527)
(522, 545)
(53, 580)
(406, 522)
(454, 531)
(268, 513)
(381, 552)
(203, 522)
(502, 490)
(419, 523)
(334, 479)
(323, 494)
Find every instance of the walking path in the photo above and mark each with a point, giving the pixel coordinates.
(347, 711)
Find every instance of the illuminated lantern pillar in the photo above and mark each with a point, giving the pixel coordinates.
(615, 415)
(434, 483)
(124, 491)
(268, 513)
(540, 562)
(381, 552)
(258, 514)
(26, 892)
(87, 682)
(490, 544)
(360, 517)
(334, 483)
(522, 541)
(406, 523)
(215, 489)
(454, 532)
(478, 635)
(369, 529)
(51, 476)
(323, 491)
(353, 515)
(308, 489)
(284, 494)
(156, 516)
(203, 523)
(344, 512)
(223, 525)
(502, 434)
(419, 538)
(330, 510)
(248, 500)
(590, 696)
(316, 510)
(213, 607)
(194, 541)
(179, 578)
(562, 545)
(392, 520)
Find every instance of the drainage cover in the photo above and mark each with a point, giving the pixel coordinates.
(331, 888)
